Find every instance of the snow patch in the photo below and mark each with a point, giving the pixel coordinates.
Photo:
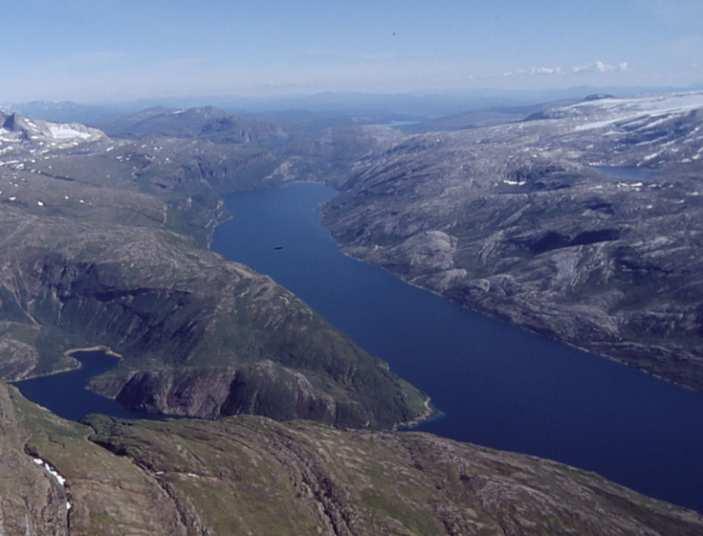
(51, 471)
(65, 132)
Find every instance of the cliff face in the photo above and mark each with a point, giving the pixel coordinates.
(252, 475)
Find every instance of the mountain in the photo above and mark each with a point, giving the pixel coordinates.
(43, 135)
(582, 223)
(205, 123)
(486, 117)
(251, 475)
(232, 152)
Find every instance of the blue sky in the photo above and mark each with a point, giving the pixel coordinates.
(110, 49)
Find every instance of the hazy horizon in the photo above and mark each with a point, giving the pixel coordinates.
(213, 99)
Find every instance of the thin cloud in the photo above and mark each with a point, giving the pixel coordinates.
(601, 67)
(535, 71)
(598, 67)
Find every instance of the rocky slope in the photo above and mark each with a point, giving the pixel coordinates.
(520, 221)
(251, 475)
(211, 145)
(92, 255)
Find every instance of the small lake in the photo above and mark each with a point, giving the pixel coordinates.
(66, 394)
(498, 385)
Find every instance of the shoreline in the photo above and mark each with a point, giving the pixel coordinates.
(494, 314)
(77, 365)
(490, 313)
(99, 348)
(430, 413)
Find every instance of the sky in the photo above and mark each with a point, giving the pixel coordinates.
(103, 50)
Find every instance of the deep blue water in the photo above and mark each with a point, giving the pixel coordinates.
(66, 395)
(497, 385)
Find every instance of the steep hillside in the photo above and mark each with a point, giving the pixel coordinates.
(540, 223)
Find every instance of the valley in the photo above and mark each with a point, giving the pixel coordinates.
(111, 237)
(98, 259)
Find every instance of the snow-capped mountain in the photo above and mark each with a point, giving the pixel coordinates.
(16, 131)
(643, 131)
(611, 109)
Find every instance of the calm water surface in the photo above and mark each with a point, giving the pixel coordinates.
(497, 385)
(66, 395)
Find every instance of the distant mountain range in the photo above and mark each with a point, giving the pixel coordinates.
(371, 107)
